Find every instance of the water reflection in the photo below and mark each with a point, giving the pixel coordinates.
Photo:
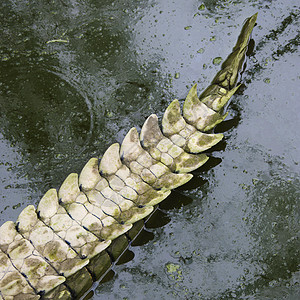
(274, 219)
(276, 39)
(42, 110)
(65, 101)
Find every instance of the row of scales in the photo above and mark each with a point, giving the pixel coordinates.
(57, 250)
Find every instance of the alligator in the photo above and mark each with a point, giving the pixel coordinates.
(72, 238)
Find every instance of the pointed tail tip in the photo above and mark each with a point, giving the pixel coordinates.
(253, 18)
(249, 25)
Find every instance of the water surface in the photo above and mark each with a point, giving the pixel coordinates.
(75, 76)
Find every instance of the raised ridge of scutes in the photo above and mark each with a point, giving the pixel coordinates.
(57, 250)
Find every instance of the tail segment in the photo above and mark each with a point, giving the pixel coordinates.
(57, 250)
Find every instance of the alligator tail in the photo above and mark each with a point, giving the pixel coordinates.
(59, 249)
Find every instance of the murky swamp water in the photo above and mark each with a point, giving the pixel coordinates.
(75, 76)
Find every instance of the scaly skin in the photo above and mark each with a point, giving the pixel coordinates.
(57, 250)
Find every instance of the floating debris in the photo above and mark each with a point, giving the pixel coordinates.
(217, 60)
(57, 41)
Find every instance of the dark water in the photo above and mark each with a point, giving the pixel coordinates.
(77, 75)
